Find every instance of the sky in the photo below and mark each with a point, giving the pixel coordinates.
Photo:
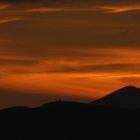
(70, 49)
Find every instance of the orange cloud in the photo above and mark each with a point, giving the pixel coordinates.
(77, 53)
(44, 77)
(9, 20)
(83, 85)
(119, 9)
(72, 9)
(3, 7)
(45, 9)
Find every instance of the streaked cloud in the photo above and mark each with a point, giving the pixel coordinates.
(119, 9)
(4, 7)
(17, 62)
(10, 20)
(69, 48)
(45, 9)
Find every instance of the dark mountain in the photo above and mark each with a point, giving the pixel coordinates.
(127, 97)
(69, 120)
(107, 118)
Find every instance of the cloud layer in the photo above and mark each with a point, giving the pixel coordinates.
(71, 48)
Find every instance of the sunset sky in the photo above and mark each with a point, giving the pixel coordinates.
(75, 49)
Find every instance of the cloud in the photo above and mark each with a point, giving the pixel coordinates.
(102, 68)
(18, 1)
(5, 6)
(10, 20)
(119, 9)
(17, 62)
(45, 9)
(71, 1)
(57, 42)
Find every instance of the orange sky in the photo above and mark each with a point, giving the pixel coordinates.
(73, 49)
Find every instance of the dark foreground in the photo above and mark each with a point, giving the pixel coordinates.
(69, 121)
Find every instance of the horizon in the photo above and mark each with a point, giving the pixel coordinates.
(30, 100)
(76, 50)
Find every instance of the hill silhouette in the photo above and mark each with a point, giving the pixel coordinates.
(74, 120)
(11, 98)
(127, 97)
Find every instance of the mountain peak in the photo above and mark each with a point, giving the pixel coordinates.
(127, 97)
(131, 87)
(128, 90)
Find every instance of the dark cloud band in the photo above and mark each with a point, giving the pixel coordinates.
(95, 2)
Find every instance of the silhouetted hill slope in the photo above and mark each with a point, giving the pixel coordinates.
(127, 97)
(12, 98)
(69, 120)
(62, 110)
(74, 120)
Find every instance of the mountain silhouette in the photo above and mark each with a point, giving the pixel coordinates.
(127, 97)
(115, 116)
(69, 120)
